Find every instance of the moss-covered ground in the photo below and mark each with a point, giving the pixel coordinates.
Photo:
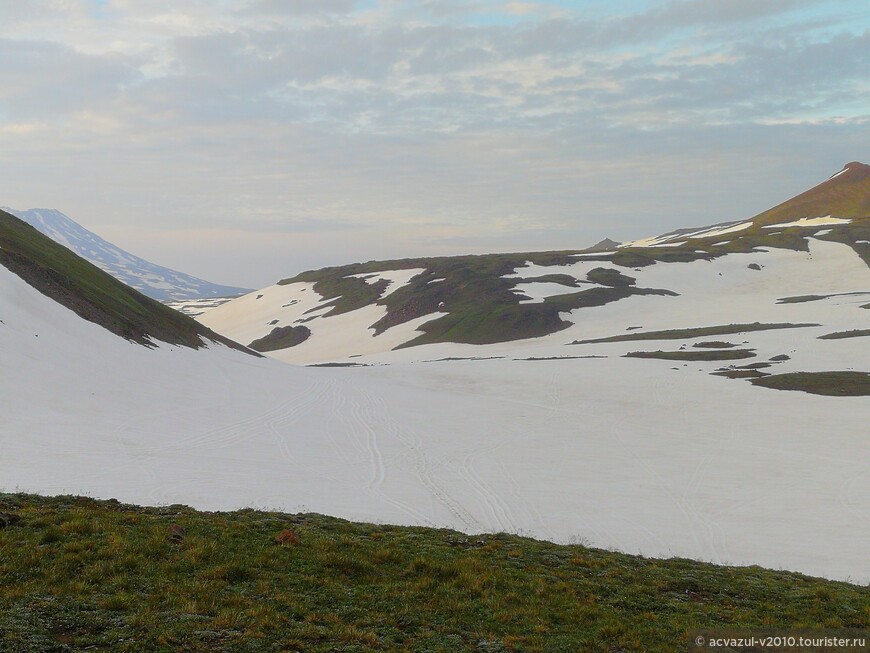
(833, 384)
(79, 574)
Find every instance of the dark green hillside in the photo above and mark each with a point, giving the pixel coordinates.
(482, 306)
(832, 384)
(81, 575)
(94, 295)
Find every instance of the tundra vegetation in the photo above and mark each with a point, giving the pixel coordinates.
(81, 574)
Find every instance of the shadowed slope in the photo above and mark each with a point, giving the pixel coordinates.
(154, 281)
(92, 294)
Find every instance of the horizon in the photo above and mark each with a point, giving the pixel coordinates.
(243, 142)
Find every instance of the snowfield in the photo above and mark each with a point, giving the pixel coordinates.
(347, 335)
(644, 456)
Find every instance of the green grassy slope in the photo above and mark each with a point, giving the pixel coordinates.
(482, 305)
(845, 196)
(94, 295)
(80, 574)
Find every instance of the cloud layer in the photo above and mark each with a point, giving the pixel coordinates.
(295, 134)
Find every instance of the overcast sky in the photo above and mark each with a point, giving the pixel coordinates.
(246, 140)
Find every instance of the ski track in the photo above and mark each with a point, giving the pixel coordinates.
(616, 427)
(423, 467)
(498, 510)
(362, 417)
(311, 398)
(654, 477)
(231, 433)
(517, 493)
(687, 499)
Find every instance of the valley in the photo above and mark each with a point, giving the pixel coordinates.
(614, 429)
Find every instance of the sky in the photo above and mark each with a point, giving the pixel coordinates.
(244, 141)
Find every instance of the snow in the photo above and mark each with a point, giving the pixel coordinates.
(647, 242)
(727, 230)
(810, 222)
(350, 335)
(683, 235)
(250, 317)
(725, 291)
(256, 314)
(579, 269)
(194, 307)
(537, 292)
(396, 278)
(623, 453)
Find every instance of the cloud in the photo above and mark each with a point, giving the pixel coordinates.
(300, 7)
(43, 79)
(408, 128)
(283, 224)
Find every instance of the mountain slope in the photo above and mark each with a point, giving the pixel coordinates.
(91, 293)
(152, 280)
(845, 195)
(371, 308)
(551, 439)
(840, 205)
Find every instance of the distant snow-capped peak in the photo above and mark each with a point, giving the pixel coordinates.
(150, 279)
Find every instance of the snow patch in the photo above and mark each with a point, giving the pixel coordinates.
(810, 222)
(396, 278)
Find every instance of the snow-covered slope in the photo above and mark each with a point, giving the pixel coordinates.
(616, 452)
(152, 280)
(569, 442)
(503, 298)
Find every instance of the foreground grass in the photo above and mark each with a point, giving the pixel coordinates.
(79, 574)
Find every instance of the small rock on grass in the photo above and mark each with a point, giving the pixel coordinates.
(176, 534)
(287, 537)
(8, 518)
